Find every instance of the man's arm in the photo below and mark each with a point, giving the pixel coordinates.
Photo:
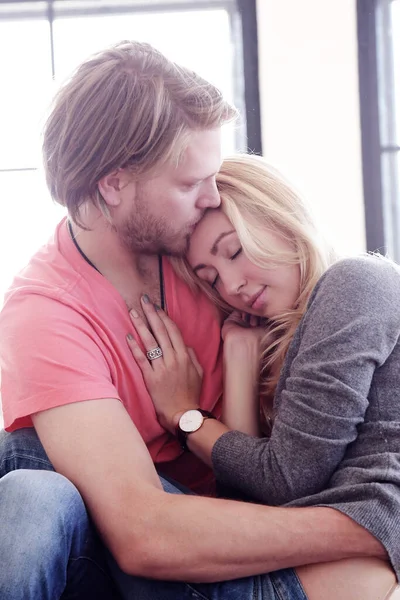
(176, 537)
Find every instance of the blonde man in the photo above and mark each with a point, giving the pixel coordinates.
(131, 149)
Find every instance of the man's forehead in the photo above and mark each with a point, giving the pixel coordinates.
(202, 156)
(199, 141)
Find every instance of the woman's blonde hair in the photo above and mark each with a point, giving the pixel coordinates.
(256, 199)
(128, 106)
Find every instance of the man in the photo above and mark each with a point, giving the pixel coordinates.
(131, 148)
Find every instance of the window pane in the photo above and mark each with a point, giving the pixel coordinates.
(25, 75)
(395, 38)
(27, 219)
(200, 40)
(390, 164)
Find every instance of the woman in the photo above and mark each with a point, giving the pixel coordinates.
(322, 428)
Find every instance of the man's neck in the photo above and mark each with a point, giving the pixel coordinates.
(131, 274)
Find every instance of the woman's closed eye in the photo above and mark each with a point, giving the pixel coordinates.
(234, 255)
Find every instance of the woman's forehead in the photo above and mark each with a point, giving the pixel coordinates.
(207, 231)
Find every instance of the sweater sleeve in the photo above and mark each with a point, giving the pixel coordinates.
(350, 328)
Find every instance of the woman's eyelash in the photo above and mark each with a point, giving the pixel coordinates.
(236, 254)
(214, 283)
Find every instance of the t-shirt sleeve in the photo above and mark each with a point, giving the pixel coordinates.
(50, 355)
(350, 328)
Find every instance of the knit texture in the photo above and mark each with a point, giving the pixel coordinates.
(336, 435)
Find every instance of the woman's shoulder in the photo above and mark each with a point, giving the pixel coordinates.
(361, 279)
(367, 264)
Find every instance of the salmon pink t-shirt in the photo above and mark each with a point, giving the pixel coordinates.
(63, 339)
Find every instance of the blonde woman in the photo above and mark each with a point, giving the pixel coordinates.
(320, 426)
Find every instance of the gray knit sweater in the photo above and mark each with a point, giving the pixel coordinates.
(336, 436)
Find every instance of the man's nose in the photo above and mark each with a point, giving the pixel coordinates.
(209, 196)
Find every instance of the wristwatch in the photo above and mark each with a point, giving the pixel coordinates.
(191, 421)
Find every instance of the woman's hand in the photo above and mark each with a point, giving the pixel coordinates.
(240, 328)
(174, 379)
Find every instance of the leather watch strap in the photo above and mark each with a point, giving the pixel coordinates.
(183, 435)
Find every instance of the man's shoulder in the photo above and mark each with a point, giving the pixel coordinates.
(42, 297)
(48, 273)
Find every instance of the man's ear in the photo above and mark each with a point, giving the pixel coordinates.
(111, 185)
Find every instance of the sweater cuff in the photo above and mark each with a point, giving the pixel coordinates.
(230, 460)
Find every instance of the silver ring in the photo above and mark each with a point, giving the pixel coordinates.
(155, 353)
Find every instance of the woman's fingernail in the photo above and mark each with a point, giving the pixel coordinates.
(145, 299)
(157, 307)
(134, 313)
(129, 336)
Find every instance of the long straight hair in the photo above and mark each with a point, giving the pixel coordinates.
(256, 199)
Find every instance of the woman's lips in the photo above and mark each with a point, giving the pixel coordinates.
(260, 299)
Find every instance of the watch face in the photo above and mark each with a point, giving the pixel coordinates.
(191, 421)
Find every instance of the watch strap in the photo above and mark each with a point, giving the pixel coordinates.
(182, 435)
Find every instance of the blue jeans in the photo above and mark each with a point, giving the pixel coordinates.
(50, 550)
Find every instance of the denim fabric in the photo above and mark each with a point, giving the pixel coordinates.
(280, 585)
(49, 548)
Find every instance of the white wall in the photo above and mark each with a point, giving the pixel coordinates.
(310, 109)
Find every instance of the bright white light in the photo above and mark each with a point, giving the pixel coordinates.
(200, 40)
(395, 9)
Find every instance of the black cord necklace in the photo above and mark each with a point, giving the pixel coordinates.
(161, 275)
(160, 267)
(71, 233)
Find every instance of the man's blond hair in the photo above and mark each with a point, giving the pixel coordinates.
(126, 107)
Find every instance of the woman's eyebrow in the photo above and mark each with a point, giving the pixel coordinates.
(214, 248)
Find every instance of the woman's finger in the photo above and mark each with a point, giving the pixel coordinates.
(253, 321)
(147, 338)
(236, 317)
(196, 363)
(157, 325)
(139, 356)
(173, 331)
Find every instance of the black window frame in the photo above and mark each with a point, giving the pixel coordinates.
(243, 19)
(380, 149)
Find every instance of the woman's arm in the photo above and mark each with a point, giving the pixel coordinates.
(167, 378)
(174, 379)
(350, 329)
(241, 363)
(241, 405)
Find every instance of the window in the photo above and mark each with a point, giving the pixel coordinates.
(44, 41)
(379, 67)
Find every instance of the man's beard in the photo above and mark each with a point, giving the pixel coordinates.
(147, 234)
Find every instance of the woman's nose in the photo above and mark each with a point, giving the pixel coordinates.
(233, 286)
